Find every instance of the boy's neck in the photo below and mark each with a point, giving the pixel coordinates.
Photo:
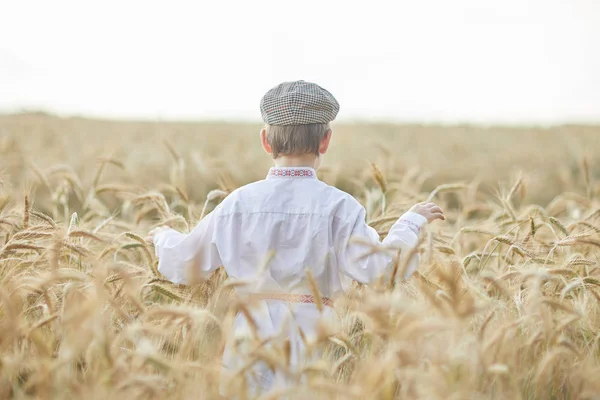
(308, 160)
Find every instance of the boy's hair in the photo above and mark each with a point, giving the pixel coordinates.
(295, 139)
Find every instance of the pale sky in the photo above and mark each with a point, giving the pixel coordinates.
(534, 61)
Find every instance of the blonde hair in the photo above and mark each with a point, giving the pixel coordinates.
(295, 139)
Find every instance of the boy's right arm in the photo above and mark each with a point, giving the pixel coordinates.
(365, 258)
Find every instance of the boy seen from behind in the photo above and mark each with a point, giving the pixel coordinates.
(267, 234)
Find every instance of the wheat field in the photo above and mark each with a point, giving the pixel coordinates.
(505, 305)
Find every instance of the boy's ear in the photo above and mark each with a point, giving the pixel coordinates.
(324, 145)
(265, 142)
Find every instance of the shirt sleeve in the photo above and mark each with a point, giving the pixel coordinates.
(364, 258)
(181, 256)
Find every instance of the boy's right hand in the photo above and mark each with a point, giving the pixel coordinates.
(431, 211)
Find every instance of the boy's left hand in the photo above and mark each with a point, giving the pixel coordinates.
(153, 232)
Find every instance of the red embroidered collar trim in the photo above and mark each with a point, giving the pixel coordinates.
(292, 172)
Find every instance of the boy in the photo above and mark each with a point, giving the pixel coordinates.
(268, 233)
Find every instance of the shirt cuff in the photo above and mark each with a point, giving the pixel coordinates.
(160, 238)
(413, 220)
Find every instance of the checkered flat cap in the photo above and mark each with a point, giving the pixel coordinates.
(298, 103)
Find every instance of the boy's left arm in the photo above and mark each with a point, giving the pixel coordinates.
(182, 256)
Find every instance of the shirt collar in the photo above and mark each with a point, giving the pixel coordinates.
(292, 172)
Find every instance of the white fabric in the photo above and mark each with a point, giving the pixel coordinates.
(294, 223)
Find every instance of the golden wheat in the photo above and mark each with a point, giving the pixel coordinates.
(506, 302)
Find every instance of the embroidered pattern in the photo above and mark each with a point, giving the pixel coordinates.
(292, 298)
(292, 172)
(411, 225)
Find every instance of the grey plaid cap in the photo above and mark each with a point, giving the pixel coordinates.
(298, 103)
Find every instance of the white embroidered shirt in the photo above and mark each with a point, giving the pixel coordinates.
(268, 232)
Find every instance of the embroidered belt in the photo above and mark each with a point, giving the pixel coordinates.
(292, 298)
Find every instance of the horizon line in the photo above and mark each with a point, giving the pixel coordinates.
(342, 121)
